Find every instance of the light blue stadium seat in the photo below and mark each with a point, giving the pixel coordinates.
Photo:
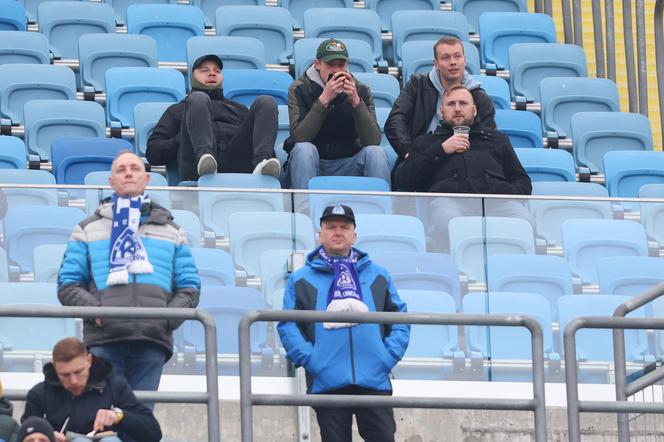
(100, 52)
(47, 259)
(430, 341)
(523, 128)
(562, 97)
(471, 242)
(49, 120)
(658, 312)
(20, 83)
(274, 274)
(29, 293)
(63, 22)
(500, 30)
(283, 132)
(417, 58)
(13, 154)
(215, 267)
(428, 26)
(74, 158)
(146, 117)
(190, 224)
(359, 51)
(381, 117)
(652, 214)
(531, 62)
(23, 47)
(29, 196)
(216, 207)
(169, 25)
(387, 8)
(547, 164)
(4, 268)
(586, 241)
(498, 89)
(378, 234)
(297, 7)
(550, 214)
(210, 6)
(252, 233)
(13, 16)
(236, 52)
(629, 275)
(244, 85)
(344, 23)
(596, 133)
(435, 272)
(100, 178)
(625, 172)
(126, 87)
(27, 227)
(384, 87)
(472, 9)
(120, 7)
(272, 26)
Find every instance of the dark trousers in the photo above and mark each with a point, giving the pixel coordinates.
(375, 424)
(252, 143)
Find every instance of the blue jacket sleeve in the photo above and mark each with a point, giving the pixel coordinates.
(396, 341)
(298, 349)
(74, 276)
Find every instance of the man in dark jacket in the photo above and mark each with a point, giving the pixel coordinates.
(81, 394)
(206, 133)
(481, 162)
(8, 426)
(415, 111)
(333, 127)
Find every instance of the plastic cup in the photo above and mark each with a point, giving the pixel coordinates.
(461, 130)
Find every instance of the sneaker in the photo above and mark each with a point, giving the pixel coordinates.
(271, 167)
(206, 164)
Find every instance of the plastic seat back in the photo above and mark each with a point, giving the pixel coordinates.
(523, 128)
(47, 260)
(359, 51)
(13, 16)
(190, 224)
(387, 8)
(146, 117)
(29, 196)
(210, 6)
(652, 214)
(244, 85)
(378, 234)
(547, 164)
(74, 158)
(472, 9)
(13, 154)
(236, 52)
(215, 267)
(384, 87)
(360, 203)
(23, 47)
(498, 90)
(298, 7)
(121, 6)
(274, 275)
(629, 275)
(625, 172)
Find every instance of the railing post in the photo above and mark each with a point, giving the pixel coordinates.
(571, 381)
(211, 370)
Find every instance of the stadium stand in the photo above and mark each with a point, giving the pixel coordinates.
(74, 158)
(359, 51)
(215, 267)
(191, 225)
(523, 128)
(47, 259)
(244, 85)
(361, 204)
(100, 178)
(146, 116)
(236, 52)
(13, 16)
(121, 6)
(547, 164)
(210, 6)
(378, 234)
(26, 196)
(24, 47)
(384, 87)
(498, 90)
(629, 275)
(386, 9)
(13, 154)
(651, 213)
(274, 274)
(297, 8)
(472, 9)
(627, 171)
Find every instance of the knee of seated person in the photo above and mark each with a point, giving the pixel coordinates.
(304, 149)
(198, 98)
(375, 153)
(264, 101)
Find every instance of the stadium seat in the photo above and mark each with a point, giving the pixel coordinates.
(283, 132)
(596, 133)
(562, 97)
(20, 83)
(63, 22)
(625, 172)
(191, 225)
(273, 26)
(74, 158)
(27, 227)
(100, 52)
(417, 58)
(652, 214)
(244, 85)
(4, 269)
(217, 207)
(381, 116)
(126, 87)
(378, 234)
(472, 9)
(13, 16)
(384, 87)
(236, 52)
(523, 128)
(500, 30)
(49, 120)
(658, 312)
(386, 9)
(23, 47)
(120, 7)
(215, 267)
(252, 233)
(629, 275)
(586, 241)
(29, 196)
(210, 6)
(360, 24)
(13, 154)
(498, 90)
(274, 274)
(550, 214)
(47, 259)
(100, 178)
(169, 25)
(359, 51)
(473, 239)
(547, 164)
(298, 7)
(146, 117)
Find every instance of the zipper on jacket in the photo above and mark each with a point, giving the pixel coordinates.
(352, 357)
(133, 287)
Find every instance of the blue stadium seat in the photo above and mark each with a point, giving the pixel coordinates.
(100, 52)
(428, 26)
(360, 203)
(236, 52)
(360, 24)
(29, 293)
(215, 267)
(658, 312)
(23, 47)
(47, 259)
(216, 207)
(384, 87)
(274, 274)
(596, 133)
(471, 243)
(4, 268)
(20, 83)
(562, 97)
(146, 117)
(29, 196)
(12, 16)
(359, 51)
(652, 214)
(27, 227)
(169, 25)
(283, 132)
(252, 233)
(523, 128)
(120, 7)
(126, 87)
(586, 241)
(273, 26)
(547, 164)
(48, 120)
(244, 85)
(498, 90)
(100, 178)
(500, 30)
(210, 6)
(13, 154)
(63, 22)
(626, 172)
(298, 7)
(381, 117)
(74, 158)
(190, 224)
(629, 275)
(417, 58)
(472, 9)
(550, 214)
(387, 8)
(378, 234)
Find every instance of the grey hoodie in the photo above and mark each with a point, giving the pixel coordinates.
(469, 82)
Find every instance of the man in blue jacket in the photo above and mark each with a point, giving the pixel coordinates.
(345, 358)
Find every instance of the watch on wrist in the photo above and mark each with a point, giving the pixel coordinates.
(119, 414)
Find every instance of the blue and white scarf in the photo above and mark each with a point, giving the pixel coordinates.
(127, 252)
(345, 294)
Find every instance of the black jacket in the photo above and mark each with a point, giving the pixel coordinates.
(415, 107)
(8, 426)
(489, 166)
(50, 400)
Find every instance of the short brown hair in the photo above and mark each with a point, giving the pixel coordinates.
(457, 87)
(68, 349)
(447, 40)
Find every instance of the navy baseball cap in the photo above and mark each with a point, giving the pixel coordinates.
(339, 211)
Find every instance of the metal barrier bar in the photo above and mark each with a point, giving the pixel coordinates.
(211, 398)
(610, 40)
(629, 55)
(248, 399)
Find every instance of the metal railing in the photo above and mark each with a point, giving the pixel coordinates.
(248, 399)
(210, 398)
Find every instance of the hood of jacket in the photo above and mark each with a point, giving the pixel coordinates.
(100, 372)
(6, 407)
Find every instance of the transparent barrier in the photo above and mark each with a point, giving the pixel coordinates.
(550, 257)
